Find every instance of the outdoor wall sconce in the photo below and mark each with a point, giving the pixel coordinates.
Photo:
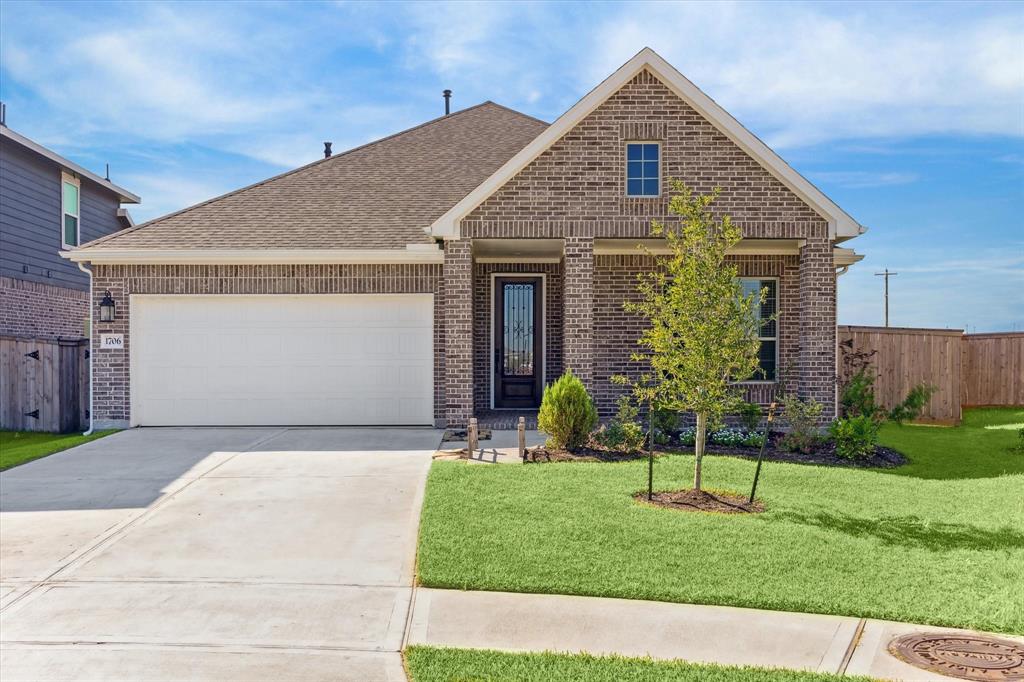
(107, 307)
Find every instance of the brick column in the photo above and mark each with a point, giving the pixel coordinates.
(458, 332)
(578, 309)
(816, 366)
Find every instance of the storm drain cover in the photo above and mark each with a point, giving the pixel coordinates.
(968, 657)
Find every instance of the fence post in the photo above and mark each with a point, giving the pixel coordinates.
(521, 427)
(472, 436)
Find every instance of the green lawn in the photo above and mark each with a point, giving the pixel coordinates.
(428, 664)
(939, 541)
(18, 447)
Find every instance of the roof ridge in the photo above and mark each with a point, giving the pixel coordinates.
(515, 111)
(285, 174)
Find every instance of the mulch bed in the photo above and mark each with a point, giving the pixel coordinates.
(702, 500)
(542, 454)
(884, 458)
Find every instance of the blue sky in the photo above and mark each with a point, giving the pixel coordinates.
(909, 115)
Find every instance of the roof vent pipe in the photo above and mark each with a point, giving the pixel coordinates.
(447, 102)
(3, 114)
(327, 150)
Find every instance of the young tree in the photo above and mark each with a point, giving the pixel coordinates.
(703, 332)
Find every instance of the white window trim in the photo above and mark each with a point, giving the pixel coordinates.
(71, 180)
(625, 169)
(778, 318)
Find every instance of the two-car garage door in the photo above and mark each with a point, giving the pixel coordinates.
(282, 360)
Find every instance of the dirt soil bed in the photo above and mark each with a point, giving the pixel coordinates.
(702, 500)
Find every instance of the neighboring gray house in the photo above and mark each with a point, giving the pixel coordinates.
(49, 204)
(455, 268)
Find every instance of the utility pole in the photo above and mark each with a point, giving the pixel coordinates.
(886, 274)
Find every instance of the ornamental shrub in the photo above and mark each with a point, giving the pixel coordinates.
(802, 417)
(855, 437)
(624, 432)
(567, 414)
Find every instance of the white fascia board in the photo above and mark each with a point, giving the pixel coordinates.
(841, 224)
(255, 256)
(124, 195)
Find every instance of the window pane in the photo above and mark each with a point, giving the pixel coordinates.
(634, 152)
(769, 307)
(70, 230)
(70, 198)
(650, 152)
(651, 169)
(634, 169)
(766, 362)
(651, 188)
(635, 188)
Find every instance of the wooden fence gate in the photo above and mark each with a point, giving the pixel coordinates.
(44, 384)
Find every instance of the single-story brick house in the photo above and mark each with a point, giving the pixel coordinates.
(453, 269)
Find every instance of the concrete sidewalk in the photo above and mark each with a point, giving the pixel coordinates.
(703, 634)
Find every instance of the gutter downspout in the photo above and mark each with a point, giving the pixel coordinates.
(81, 266)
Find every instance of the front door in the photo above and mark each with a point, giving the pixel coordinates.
(518, 343)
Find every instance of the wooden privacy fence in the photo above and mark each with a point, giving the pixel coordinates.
(44, 384)
(965, 369)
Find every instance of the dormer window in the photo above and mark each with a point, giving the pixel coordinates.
(70, 211)
(643, 169)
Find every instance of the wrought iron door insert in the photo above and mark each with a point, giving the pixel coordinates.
(518, 341)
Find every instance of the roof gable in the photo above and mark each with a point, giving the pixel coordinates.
(841, 225)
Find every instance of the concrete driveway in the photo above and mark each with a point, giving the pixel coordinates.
(227, 554)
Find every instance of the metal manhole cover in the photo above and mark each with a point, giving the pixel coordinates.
(968, 657)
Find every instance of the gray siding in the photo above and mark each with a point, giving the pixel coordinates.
(30, 218)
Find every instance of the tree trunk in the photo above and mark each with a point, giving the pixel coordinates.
(698, 448)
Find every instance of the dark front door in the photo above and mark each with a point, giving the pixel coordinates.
(518, 331)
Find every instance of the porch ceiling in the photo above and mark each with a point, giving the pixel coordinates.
(518, 250)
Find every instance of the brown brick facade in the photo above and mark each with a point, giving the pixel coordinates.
(575, 191)
(617, 331)
(112, 403)
(42, 311)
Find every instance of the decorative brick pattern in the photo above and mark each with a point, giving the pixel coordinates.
(42, 311)
(483, 310)
(458, 330)
(111, 369)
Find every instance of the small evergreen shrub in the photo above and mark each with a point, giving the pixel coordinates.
(912, 406)
(749, 415)
(855, 437)
(802, 417)
(625, 432)
(567, 414)
(666, 421)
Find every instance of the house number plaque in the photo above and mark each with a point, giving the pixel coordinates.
(108, 341)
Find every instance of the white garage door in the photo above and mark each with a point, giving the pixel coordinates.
(282, 360)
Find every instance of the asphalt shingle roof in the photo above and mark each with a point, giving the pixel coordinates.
(378, 196)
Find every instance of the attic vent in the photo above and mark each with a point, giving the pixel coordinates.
(327, 150)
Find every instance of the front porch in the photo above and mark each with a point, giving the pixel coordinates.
(519, 312)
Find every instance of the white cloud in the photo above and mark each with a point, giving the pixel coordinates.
(862, 179)
(804, 76)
